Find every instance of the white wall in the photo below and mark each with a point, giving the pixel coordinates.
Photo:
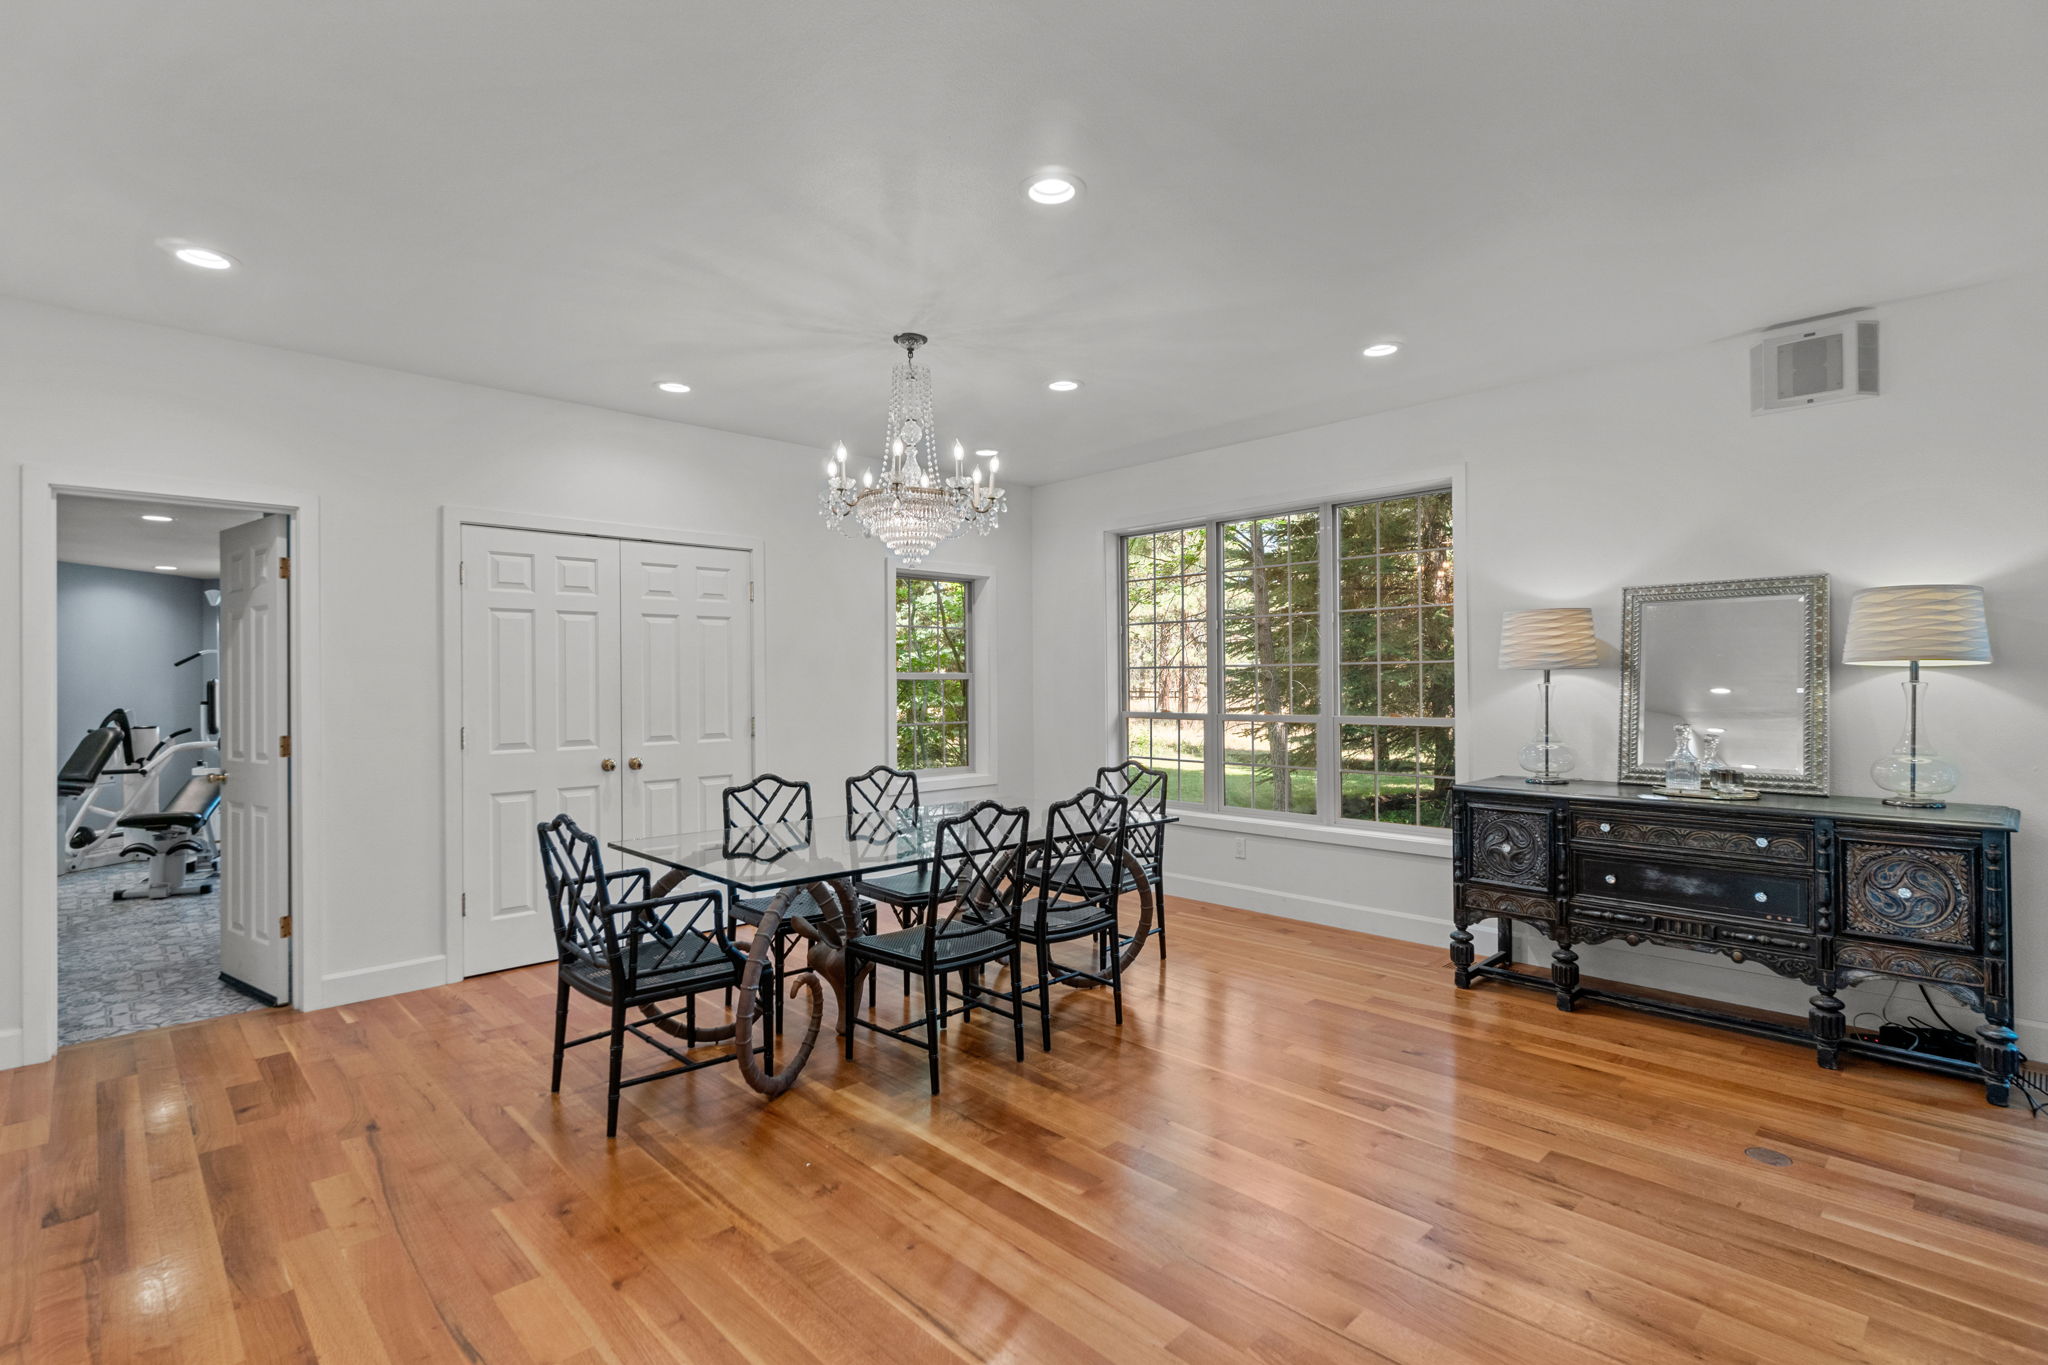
(384, 451)
(1653, 472)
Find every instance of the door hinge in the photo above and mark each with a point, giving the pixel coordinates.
(284, 566)
(461, 572)
(465, 905)
(750, 590)
(462, 738)
(751, 723)
(284, 926)
(284, 746)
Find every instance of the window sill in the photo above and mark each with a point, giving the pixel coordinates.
(948, 780)
(1435, 843)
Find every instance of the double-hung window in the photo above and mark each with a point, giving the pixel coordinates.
(934, 673)
(1299, 664)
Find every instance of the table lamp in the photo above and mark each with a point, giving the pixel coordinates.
(1547, 638)
(1939, 625)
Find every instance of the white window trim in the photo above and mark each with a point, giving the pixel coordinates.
(1323, 828)
(981, 684)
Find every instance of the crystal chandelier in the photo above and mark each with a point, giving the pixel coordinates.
(912, 506)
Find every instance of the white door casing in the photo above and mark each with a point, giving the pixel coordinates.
(540, 647)
(254, 819)
(686, 696)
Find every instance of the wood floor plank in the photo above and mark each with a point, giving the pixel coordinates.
(1302, 1146)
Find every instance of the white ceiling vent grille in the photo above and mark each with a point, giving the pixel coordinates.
(1805, 364)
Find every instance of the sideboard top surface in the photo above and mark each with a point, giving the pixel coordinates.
(1836, 807)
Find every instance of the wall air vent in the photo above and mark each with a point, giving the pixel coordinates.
(1801, 365)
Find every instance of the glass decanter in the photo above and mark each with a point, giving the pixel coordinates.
(1682, 769)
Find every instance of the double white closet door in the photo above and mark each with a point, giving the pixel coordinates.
(608, 679)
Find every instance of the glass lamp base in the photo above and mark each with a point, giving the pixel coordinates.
(1547, 761)
(1915, 803)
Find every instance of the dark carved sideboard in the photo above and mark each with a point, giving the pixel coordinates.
(1827, 890)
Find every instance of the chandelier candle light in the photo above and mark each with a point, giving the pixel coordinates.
(913, 506)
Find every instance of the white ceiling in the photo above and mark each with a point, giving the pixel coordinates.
(579, 199)
(112, 533)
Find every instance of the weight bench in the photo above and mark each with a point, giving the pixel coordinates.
(183, 844)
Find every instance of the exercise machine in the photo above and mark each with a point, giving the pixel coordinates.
(181, 844)
(114, 774)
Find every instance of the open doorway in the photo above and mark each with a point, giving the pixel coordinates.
(172, 634)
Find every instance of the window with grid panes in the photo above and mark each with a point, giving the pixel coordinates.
(934, 682)
(1330, 693)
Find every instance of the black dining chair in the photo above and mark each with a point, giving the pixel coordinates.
(626, 950)
(1144, 790)
(875, 801)
(968, 919)
(766, 819)
(1074, 882)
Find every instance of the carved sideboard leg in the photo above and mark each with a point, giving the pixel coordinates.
(1998, 1053)
(1564, 973)
(1461, 956)
(1825, 1017)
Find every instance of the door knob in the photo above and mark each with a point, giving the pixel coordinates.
(608, 765)
(634, 764)
(216, 777)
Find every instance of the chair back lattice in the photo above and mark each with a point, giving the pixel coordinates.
(767, 817)
(634, 939)
(874, 798)
(1080, 859)
(977, 880)
(1144, 789)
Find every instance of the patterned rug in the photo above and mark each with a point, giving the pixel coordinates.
(123, 966)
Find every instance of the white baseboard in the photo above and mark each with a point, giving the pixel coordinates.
(1405, 925)
(10, 1048)
(391, 978)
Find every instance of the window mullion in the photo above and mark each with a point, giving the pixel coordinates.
(1326, 668)
(1212, 719)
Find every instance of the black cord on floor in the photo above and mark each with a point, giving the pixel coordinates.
(2030, 1090)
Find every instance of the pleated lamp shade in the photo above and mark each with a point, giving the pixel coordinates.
(1548, 637)
(1933, 624)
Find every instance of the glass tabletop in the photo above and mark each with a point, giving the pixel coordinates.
(767, 857)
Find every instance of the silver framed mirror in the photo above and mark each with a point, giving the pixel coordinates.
(1745, 660)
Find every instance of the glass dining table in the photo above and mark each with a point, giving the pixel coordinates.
(824, 858)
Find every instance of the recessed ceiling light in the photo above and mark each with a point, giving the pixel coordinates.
(1380, 350)
(984, 453)
(1720, 691)
(192, 254)
(166, 568)
(1052, 188)
(1064, 385)
(154, 516)
(673, 386)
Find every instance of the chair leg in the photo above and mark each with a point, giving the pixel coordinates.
(945, 1001)
(1116, 974)
(1159, 916)
(611, 1096)
(1044, 995)
(847, 1004)
(561, 1029)
(931, 1028)
(1017, 997)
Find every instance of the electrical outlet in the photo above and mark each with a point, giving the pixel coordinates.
(1237, 848)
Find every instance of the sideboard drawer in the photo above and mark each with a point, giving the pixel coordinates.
(1729, 892)
(1779, 846)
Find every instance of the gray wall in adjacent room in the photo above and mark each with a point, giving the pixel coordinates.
(118, 633)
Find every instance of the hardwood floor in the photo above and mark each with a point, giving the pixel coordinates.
(1302, 1146)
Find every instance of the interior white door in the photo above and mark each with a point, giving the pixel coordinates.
(540, 679)
(254, 819)
(686, 683)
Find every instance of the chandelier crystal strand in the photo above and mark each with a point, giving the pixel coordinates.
(915, 505)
